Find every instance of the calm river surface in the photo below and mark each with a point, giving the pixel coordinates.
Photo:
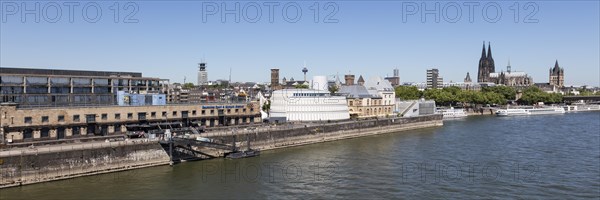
(542, 157)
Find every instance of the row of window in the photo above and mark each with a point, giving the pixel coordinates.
(75, 130)
(141, 116)
(309, 94)
(373, 102)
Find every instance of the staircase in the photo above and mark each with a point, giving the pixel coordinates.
(408, 108)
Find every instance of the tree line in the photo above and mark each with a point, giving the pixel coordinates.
(499, 95)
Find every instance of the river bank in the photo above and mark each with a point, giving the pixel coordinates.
(49, 163)
(470, 158)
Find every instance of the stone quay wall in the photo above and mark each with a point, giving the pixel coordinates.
(282, 136)
(56, 162)
(28, 166)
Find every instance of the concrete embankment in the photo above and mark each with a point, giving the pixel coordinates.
(283, 137)
(43, 164)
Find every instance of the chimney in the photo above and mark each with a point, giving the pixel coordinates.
(349, 79)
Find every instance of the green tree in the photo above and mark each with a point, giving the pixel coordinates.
(441, 97)
(509, 93)
(333, 89)
(267, 106)
(585, 92)
(408, 92)
(533, 95)
(187, 86)
(452, 89)
(494, 98)
(301, 86)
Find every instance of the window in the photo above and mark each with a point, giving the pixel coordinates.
(28, 120)
(104, 116)
(228, 110)
(174, 113)
(153, 114)
(244, 110)
(76, 118)
(237, 110)
(61, 118)
(164, 114)
(45, 132)
(44, 119)
(194, 112)
(203, 112)
(90, 118)
(76, 130)
(129, 115)
(28, 133)
(212, 112)
(117, 115)
(251, 109)
(117, 128)
(142, 116)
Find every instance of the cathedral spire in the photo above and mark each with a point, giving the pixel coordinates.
(489, 54)
(483, 51)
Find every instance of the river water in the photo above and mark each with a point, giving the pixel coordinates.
(544, 157)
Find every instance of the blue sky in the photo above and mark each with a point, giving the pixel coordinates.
(369, 39)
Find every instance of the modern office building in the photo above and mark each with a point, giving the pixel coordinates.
(434, 80)
(202, 74)
(49, 87)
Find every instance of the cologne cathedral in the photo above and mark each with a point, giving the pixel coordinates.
(487, 72)
(486, 65)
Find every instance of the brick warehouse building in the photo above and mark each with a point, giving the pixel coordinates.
(55, 123)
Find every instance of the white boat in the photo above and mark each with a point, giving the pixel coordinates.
(452, 113)
(530, 111)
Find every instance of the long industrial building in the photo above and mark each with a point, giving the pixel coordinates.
(43, 87)
(56, 123)
(39, 105)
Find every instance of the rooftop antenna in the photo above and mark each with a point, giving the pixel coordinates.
(184, 79)
(229, 74)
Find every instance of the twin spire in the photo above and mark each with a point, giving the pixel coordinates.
(489, 52)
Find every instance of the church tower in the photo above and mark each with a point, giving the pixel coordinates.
(557, 75)
(486, 65)
(482, 66)
(468, 78)
(491, 65)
